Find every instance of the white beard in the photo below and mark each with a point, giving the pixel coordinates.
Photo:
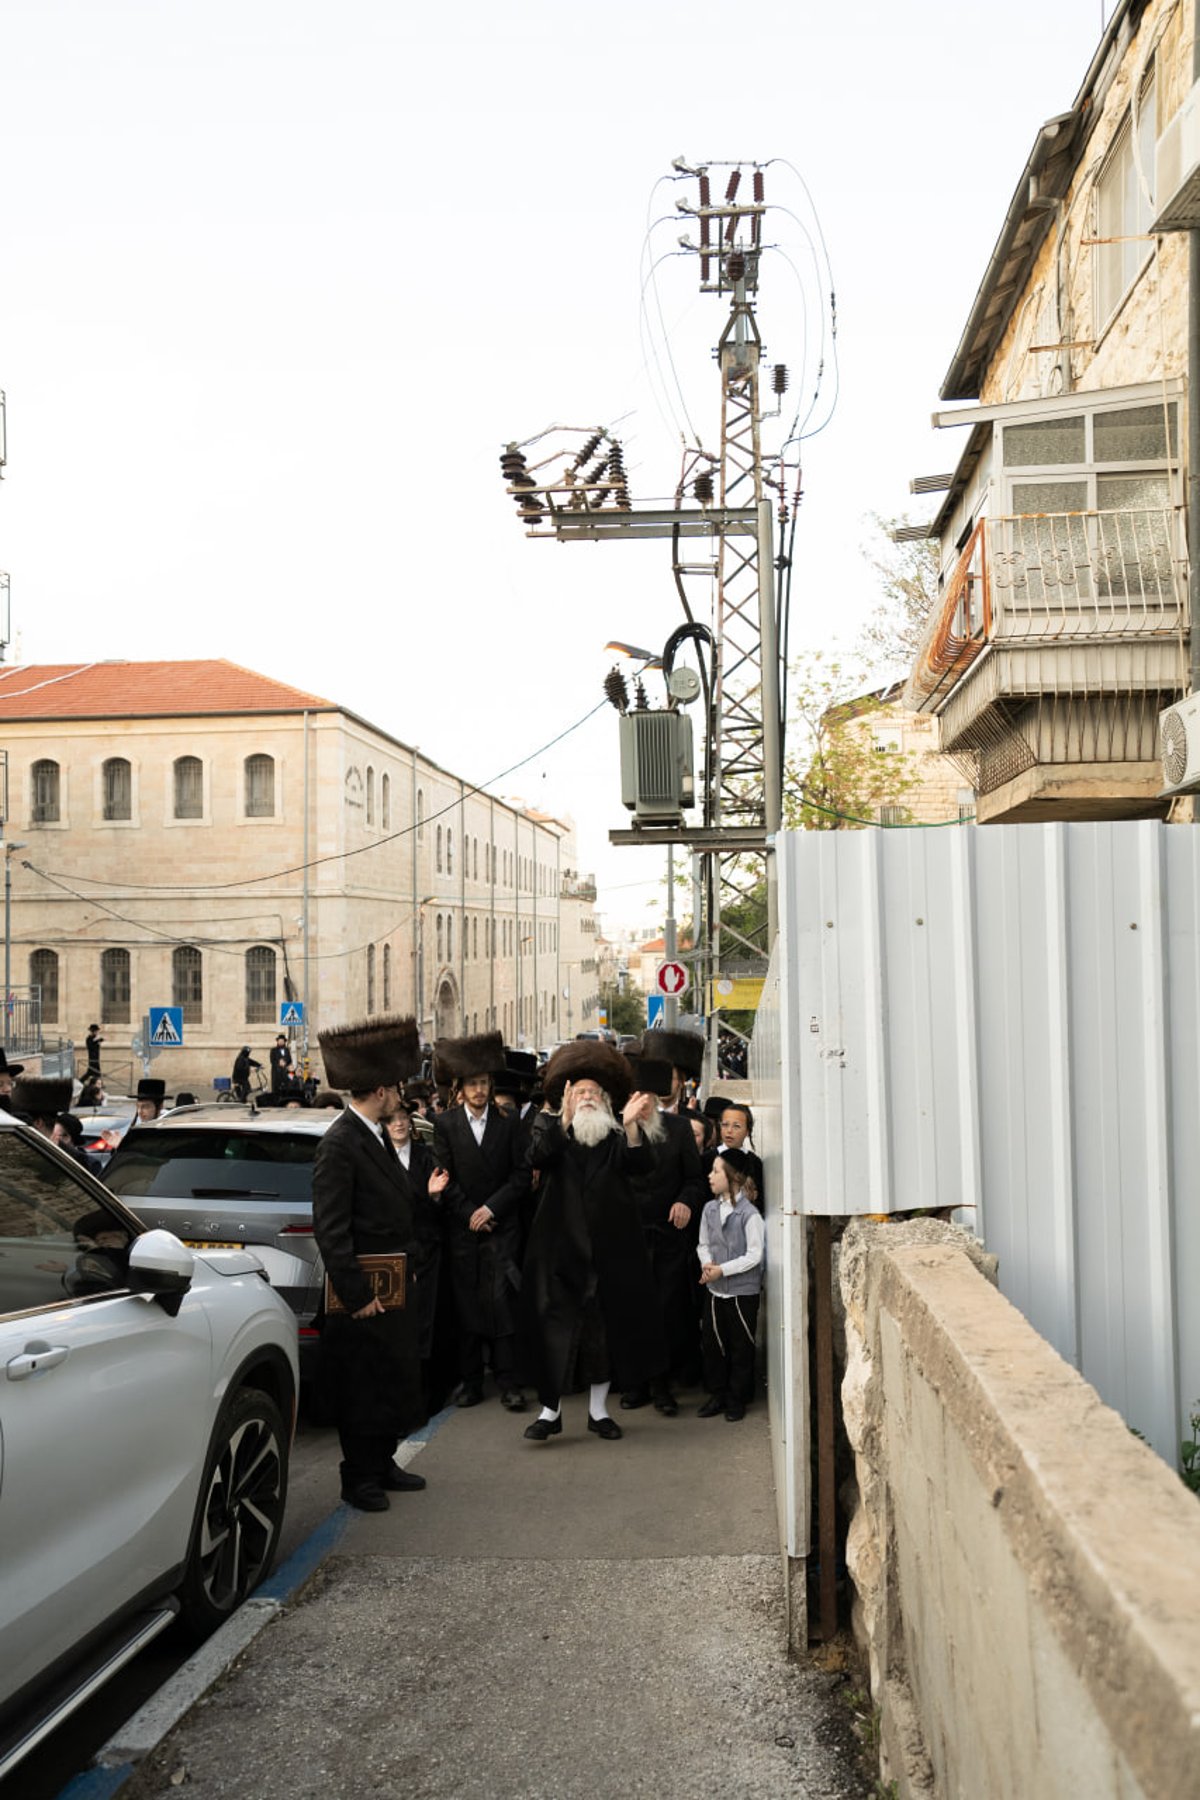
(653, 1129)
(592, 1124)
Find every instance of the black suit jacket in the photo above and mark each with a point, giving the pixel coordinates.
(676, 1175)
(489, 1174)
(361, 1205)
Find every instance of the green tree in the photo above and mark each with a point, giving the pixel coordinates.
(626, 1010)
(908, 581)
(836, 779)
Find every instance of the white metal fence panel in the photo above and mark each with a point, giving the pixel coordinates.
(1006, 1021)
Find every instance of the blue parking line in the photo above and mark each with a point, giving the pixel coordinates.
(431, 1426)
(97, 1784)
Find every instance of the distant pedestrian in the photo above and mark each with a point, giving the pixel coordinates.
(39, 1099)
(149, 1097)
(243, 1062)
(362, 1206)
(91, 1046)
(281, 1064)
(8, 1076)
(731, 1269)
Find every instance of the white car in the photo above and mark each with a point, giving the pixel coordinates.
(146, 1415)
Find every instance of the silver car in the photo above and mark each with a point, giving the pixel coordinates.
(146, 1416)
(229, 1177)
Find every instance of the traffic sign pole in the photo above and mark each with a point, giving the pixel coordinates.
(671, 1011)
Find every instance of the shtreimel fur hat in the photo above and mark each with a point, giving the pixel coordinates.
(376, 1053)
(682, 1049)
(41, 1096)
(458, 1059)
(588, 1059)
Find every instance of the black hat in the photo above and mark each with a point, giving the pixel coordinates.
(42, 1097)
(588, 1059)
(737, 1160)
(150, 1089)
(71, 1125)
(651, 1075)
(7, 1068)
(376, 1053)
(682, 1049)
(460, 1059)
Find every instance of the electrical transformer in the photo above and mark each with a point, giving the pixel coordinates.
(656, 765)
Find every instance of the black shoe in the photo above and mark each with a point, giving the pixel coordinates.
(666, 1404)
(368, 1496)
(711, 1408)
(469, 1396)
(401, 1481)
(605, 1428)
(541, 1429)
(634, 1398)
(734, 1411)
(512, 1400)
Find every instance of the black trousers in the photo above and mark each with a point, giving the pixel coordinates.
(676, 1273)
(366, 1456)
(727, 1330)
(504, 1359)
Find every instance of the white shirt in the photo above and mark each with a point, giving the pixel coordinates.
(404, 1152)
(478, 1125)
(755, 1240)
(375, 1129)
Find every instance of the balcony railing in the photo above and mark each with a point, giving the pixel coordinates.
(1046, 578)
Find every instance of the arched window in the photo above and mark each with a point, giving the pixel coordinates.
(475, 860)
(387, 971)
(117, 783)
(261, 999)
(449, 851)
(439, 938)
(189, 787)
(44, 793)
(385, 810)
(439, 849)
(370, 978)
(187, 982)
(420, 815)
(43, 973)
(370, 795)
(475, 938)
(260, 790)
(114, 987)
(449, 937)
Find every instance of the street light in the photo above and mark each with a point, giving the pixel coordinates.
(8, 855)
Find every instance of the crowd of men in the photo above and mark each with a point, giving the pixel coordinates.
(581, 1226)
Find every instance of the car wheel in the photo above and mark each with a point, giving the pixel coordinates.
(240, 1517)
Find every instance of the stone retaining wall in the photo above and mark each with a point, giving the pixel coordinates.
(1027, 1572)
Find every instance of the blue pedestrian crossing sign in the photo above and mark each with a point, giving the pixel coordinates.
(655, 1004)
(166, 1027)
(291, 1012)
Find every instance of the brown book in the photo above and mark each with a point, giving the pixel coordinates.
(387, 1275)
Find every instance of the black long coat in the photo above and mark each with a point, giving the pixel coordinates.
(362, 1206)
(484, 1265)
(587, 1244)
(429, 1232)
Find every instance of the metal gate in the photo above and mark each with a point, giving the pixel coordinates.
(1003, 1020)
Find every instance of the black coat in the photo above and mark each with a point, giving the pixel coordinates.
(483, 1264)
(587, 1243)
(429, 1232)
(677, 1175)
(362, 1206)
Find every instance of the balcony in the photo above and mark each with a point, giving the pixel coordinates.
(578, 887)
(1060, 639)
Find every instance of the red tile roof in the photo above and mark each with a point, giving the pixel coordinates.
(142, 690)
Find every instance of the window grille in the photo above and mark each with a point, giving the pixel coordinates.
(189, 787)
(45, 796)
(43, 974)
(114, 987)
(261, 1002)
(260, 790)
(187, 982)
(118, 788)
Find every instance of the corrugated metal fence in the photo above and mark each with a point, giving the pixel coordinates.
(1005, 1020)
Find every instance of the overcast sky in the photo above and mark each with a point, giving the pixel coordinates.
(281, 278)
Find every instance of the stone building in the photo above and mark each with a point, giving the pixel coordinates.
(196, 834)
(1060, 635)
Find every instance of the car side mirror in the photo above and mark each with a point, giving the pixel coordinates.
(161, 1268)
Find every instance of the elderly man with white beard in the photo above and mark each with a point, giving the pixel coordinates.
(589, 1313)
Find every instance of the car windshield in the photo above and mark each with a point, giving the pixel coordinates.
(271, 1165)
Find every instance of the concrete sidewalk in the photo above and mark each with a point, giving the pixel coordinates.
(578, 1618)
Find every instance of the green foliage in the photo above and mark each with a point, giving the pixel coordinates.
(1189, 1453)
(836, 779)
(626, 1010)
(908, 579)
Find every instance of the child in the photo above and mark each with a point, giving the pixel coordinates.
(731, 1268)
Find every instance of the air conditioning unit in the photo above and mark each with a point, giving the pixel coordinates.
(1179, 747)
(656, 765)
(1177, 169)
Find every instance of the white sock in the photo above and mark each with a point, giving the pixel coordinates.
(597, 1396)
(549, 1414)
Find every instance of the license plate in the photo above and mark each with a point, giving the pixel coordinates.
(211, 1244)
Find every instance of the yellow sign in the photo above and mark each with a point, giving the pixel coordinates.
(738, 993)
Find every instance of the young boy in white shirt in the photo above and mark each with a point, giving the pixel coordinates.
(732, 1241)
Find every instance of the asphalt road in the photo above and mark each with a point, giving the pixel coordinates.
(312, 1496)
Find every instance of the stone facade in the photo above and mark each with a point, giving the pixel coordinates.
(421, 896)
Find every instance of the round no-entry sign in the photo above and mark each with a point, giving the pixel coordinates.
(672, 979)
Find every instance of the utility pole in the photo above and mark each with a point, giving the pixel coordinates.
(581, 494)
